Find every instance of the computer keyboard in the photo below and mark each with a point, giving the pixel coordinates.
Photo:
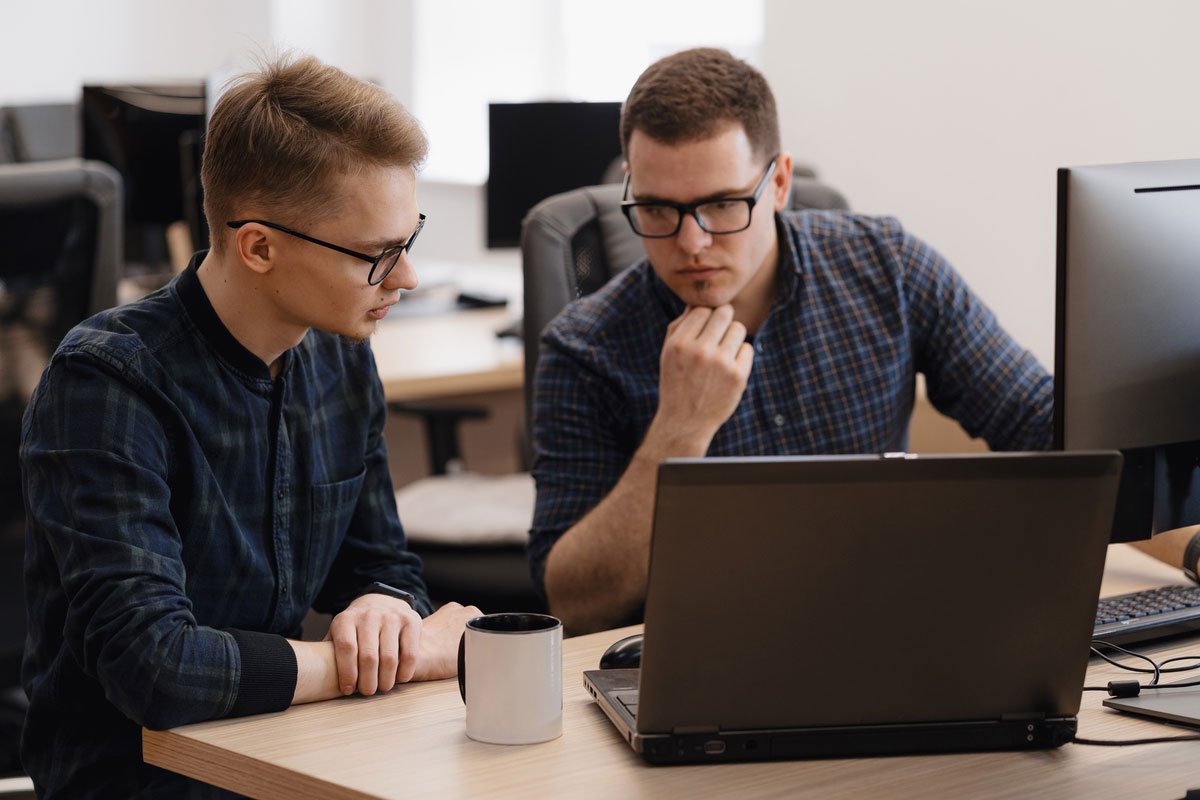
(1150, 614)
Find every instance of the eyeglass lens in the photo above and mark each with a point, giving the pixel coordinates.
(719, 216)
(383, 266)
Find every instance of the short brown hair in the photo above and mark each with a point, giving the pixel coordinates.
(692, 94)
(279, 136)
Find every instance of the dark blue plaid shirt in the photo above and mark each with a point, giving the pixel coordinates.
(184, 512)
(862, 307)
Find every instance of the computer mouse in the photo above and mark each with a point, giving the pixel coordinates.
(623, 654)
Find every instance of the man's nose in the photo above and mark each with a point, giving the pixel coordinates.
(691, 238)
(402, 276)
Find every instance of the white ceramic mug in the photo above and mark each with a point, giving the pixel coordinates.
(510, 677)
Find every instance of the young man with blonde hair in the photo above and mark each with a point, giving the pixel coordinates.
(747, 330)
(203, 466)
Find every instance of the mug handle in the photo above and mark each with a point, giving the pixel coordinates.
(462, 668)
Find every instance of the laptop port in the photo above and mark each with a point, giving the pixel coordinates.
(714, 747)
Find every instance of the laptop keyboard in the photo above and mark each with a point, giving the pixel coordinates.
(1149, 614)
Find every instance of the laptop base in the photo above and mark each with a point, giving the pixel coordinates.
(853, 742)
(827, 742)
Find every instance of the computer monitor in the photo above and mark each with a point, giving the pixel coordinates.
(536, 150)
(150, 133)
(1127, 339)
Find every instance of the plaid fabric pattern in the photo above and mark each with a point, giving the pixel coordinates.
(184, 512)
(862, 307)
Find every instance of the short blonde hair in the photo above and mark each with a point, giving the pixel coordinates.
(279, 136)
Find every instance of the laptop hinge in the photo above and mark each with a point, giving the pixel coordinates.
(1026, 715)
(681, 730)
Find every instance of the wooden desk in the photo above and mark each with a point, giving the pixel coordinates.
(411, 743)
(455, 353)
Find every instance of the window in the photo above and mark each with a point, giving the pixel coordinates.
(472, 52)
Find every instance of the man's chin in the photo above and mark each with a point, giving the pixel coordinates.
(353, 336)
(703, 294)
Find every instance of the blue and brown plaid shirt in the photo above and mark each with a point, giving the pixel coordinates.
(862, 307)
(184, 512)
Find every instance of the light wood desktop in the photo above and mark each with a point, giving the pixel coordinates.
(411, 743)
(453, 353)
(423, 350)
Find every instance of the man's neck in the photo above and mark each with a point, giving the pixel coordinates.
(243, 307)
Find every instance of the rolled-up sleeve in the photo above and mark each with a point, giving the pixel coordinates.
(580, 446)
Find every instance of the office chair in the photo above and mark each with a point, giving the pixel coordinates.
(468, 528)
(60, 253)
(43, 132)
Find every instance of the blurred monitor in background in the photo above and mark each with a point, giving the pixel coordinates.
(153, 135)
(539, 149)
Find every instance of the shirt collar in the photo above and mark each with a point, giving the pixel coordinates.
(791, 262)
(195, 301)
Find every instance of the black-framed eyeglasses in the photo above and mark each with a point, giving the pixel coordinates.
(381, 264)
(660, 219)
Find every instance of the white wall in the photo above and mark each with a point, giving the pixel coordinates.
(49, 48)
(954, 114)
(469, 52)
(950, 114)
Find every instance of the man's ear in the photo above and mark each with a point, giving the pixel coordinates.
(252, 243)
(781, 181)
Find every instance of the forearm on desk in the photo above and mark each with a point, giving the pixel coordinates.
(1168, 546)
(596, 573)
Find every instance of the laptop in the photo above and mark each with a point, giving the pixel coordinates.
(1168, 703)
(861, 605)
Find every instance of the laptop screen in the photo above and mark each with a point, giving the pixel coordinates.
(830, 591)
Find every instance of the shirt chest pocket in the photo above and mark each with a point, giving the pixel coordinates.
(333, 506)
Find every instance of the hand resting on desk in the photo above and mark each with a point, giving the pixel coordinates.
(438, 654)
(392, 628)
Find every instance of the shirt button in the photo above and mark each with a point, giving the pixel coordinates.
(779, 420)
(279, 494)
(758, 347)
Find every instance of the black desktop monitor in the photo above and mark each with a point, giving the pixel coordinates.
(1127, 340)
(152, 135)
(539, 149)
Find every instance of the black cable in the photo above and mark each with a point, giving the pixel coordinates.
(1162, 664)
(1125, 742)
(1109, 688)
(1153, 663)
(1132, 688)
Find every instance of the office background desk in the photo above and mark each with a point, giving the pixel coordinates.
(423, 355)
(454, 353)
(411, 743)
(453, 357)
